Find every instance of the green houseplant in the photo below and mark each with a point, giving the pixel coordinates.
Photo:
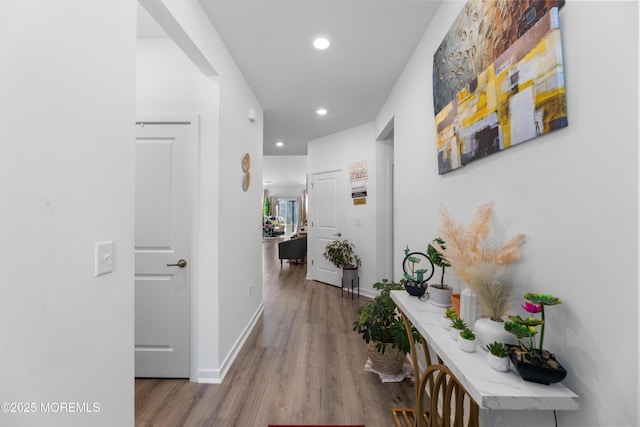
(440, 294)
(341, 253)
(382, 327)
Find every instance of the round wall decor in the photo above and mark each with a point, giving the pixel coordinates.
(246, 164)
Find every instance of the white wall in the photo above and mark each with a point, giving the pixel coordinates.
(67, 116)
(285, 176)
(231, 223)
(339, 150)
(574, 192)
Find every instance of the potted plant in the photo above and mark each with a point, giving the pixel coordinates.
(382, 327)
(483, 267)
(467, 340)
(532, 362)
(440, 295)
(448, 316)
(498, 357)
(415, 279)
(341, 253)
(457, 325)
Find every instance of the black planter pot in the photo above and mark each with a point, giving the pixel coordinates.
(415, 290)
(536, 373)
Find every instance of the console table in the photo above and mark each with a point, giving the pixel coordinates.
(493, 391)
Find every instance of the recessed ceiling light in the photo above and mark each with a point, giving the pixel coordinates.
(321, 43)
(321, 111)
(279, 144)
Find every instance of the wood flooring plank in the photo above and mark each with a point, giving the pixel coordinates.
(301, 364)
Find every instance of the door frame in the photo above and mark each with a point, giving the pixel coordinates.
(193, 173)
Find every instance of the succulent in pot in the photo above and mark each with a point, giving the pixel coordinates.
(467, 340)
(457, 325)
(498, 356)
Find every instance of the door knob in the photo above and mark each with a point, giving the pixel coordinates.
(338, 234)
(181, 263)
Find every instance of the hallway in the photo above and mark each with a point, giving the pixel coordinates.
(301, 364)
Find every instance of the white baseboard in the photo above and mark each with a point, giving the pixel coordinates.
(216, 376)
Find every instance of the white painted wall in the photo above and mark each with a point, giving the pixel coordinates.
(67, 116)
(231, 222)
(339, 150)
(574, 192)
(285, 176)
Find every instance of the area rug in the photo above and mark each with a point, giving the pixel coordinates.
(322, 425)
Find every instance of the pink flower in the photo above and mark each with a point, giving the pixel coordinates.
(532, 308)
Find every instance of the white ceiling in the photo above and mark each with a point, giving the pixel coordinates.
(271, 41)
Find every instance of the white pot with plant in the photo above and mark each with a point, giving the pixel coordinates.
(457, 325)
(498, 356)
(447, 317)
(341, 253)
(439, 295)
(467, 340)
(484, 268)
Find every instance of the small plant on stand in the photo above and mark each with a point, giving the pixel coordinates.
(341, 253)
(498, 357)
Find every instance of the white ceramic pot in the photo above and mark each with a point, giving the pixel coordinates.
(498, 363)
(454, 333)
(440, 297)
(488, 331)
(445, 322)
(467, 345)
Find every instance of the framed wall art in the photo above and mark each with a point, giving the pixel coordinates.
(498, 79)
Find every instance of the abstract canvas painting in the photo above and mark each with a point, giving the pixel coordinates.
(498, 79)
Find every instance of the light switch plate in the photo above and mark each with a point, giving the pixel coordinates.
(104, 258)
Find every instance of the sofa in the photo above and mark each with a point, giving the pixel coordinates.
(294, 249)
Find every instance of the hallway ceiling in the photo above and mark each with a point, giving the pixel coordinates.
(271, 41)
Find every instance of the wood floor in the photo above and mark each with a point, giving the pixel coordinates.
(302, 364)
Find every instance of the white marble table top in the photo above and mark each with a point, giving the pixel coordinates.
(490, 389)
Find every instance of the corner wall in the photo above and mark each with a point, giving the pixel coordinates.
(574, 192)
(67, 115)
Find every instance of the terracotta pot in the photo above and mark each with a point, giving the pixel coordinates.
(455, 300)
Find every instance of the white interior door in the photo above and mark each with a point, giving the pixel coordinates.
(162, 233)
(327, 222)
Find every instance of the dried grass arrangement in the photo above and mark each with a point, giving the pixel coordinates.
(482, 266)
